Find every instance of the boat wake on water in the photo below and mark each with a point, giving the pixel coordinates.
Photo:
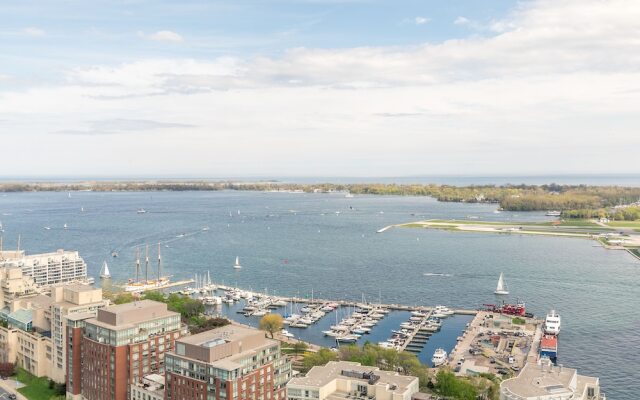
(436, 274)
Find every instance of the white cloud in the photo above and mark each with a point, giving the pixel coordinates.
(421, 20)
(166, 36)
(461, 21)
(518, 97)
(32, 31)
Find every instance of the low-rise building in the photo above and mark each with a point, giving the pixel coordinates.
(343, 379)
(150, 388)
(231, 362)
(544, 381)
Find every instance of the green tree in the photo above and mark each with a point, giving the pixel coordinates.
(321, 357)
(123, 298)
(299, 347)
(271, 323)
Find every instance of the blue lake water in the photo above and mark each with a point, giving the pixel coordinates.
(291, 244)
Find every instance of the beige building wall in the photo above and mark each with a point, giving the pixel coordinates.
(34, 353)
(8, 344)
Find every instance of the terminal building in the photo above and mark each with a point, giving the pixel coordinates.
(343, 380)
(231, 363)
(544, 381)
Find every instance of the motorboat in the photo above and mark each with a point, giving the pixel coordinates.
(439, 357)
(286, 333)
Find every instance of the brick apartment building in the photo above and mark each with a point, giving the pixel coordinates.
(119, 346)
(231, 363)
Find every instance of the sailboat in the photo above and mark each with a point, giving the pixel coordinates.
(1, 228)
(502, 286)
(237, 264)
(104, 271)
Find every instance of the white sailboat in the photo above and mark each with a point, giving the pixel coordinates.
(237, 264)
(104, 271)
(502, 286)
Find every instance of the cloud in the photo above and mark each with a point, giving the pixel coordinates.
(166, 36)
(35, 32)
(461, 21)
(120, 125)
(421, 20)
(535, 78)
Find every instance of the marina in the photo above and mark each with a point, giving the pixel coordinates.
(338, 263)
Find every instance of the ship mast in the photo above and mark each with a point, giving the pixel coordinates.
(137, 264)
(159, 264)
(146, 265)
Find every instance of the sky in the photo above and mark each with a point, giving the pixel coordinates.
(319, 87)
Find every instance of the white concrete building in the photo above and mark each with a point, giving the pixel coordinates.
(544, 381)
(48, 268)
(339, 379)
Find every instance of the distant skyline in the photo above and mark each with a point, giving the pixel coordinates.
(343, 88)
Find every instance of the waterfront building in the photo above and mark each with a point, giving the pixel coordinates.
(151, 387)
(343, 379)
(118, 347)
(544, 381)
(35, 337)
(48, 268)
(14, 284)
(231, 362)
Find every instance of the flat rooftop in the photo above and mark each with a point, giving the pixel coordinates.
(321, 376)
(130, 314)
(228, 333)
(542, 380)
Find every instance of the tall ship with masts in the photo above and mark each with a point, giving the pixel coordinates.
(141, 285)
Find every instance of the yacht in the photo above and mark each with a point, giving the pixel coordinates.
(552, 323)
(501, 289)
(347, 338)
(237, 264)
(141, 211)
(553, 213)
(286, 333)
(439, 357)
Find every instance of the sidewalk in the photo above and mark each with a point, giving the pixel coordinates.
(9, 385)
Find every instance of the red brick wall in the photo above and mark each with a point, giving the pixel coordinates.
(75, 338)
(182, 388)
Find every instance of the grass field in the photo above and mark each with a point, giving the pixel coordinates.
(625, 224)
(35, 388)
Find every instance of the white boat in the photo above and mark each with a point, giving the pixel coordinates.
(1, 227)
(286, 333)
(552, 323)
(151, 284)
(443, 310)
(502, 286)
(104, 271)
(553, 213)
(237, 264)
(348, 196)
(66, 226)
(261, 313)
(47, 228)
(347, 338)
(141, 211)
(439, 357)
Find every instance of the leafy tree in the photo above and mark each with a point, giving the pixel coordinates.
(271, 323)
(299, 347)
(122, 298)
(321, 357)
